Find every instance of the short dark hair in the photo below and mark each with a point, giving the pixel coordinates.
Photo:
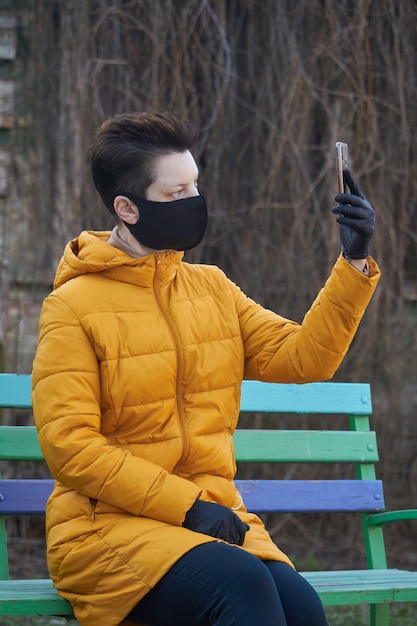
(125, 147)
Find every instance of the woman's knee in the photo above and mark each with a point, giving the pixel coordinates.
(214, 584)
(246, 592)
(300, 601)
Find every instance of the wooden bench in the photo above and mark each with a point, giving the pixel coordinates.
(377, 586)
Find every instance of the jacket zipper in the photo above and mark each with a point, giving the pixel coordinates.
(178, 389)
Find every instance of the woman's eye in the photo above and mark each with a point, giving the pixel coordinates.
(177, 194)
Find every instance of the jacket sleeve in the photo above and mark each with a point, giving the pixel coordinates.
(279, 350)
(66, 405)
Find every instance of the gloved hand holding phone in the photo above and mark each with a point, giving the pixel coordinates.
(356, 219)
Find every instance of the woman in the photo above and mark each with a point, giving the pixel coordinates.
(136, 396)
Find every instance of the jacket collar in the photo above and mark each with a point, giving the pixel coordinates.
(90, 253)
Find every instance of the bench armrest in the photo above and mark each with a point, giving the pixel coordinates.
(377, 519)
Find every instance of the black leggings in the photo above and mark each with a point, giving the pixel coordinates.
(219, 584)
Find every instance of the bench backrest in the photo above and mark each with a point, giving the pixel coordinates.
(355, 444)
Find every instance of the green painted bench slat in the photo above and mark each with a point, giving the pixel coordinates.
(31, 597)
(364, 586)
(250, 445)
(387, 586)
(19, 442)
(305, 446)
(333, 588)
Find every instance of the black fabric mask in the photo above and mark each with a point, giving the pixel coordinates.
(177, 225)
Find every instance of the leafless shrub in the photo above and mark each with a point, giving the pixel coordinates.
(272, 86)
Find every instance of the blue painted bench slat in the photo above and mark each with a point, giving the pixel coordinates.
(24, 497)
(312, 496)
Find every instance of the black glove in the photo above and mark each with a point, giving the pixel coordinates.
(216, 520)
(357, 219)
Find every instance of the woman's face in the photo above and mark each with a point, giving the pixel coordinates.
(176, 177)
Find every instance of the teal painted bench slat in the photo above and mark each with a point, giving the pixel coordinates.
(377, 586)
(16, 390)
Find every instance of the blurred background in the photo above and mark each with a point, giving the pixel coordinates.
(272, 85)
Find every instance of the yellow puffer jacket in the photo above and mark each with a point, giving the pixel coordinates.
(136, 395)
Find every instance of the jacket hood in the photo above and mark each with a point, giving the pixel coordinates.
(90, 253)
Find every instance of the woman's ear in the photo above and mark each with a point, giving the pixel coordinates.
(126, 210)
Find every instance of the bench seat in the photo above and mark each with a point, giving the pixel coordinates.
(31, 597)
(361, 492)
(364, 586)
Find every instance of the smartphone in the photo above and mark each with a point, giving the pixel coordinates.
(341, 164)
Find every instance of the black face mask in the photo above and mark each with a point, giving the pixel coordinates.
(177, 225)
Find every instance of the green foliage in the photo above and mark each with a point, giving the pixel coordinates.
(309, 563)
